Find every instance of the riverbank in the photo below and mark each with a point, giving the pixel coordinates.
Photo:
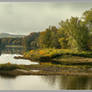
(61, 56)
(58, 62)
(47, 69)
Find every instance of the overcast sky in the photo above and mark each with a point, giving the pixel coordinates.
(24, 18)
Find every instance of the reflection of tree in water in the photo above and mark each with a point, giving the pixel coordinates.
(8, 77)
(51, 80)
(69, 82)
(73, 82)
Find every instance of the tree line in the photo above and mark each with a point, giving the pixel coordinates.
(74, 33)
(10, 41)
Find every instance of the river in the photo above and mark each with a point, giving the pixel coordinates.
(32, 82)
(9, 58)
(45, 82)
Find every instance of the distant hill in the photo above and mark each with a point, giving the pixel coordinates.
(7, 35)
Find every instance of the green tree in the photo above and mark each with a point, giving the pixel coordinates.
(30, 41)
(76, 32)
(49, 38)
(87, 18)
(62, 38)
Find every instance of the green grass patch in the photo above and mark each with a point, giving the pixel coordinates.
(9, 67)
(49, 54)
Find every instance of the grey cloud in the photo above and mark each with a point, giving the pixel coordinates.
(23, 18)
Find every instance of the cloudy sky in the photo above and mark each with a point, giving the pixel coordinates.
(24, 18)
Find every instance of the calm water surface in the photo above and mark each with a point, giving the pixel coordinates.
(40, 82)
(5, 58)
(45, 82)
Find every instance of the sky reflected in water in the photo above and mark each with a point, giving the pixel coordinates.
(45, 83)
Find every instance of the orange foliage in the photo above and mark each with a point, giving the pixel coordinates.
(31, 51)
(41, 52)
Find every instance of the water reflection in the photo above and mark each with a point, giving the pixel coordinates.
(73, 82)
(69, 82)
(51, 80)
(8, 76)
(46, 82)
(25, 83)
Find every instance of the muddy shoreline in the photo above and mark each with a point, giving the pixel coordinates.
(81, 67)
(18, 72)
(47, 70)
